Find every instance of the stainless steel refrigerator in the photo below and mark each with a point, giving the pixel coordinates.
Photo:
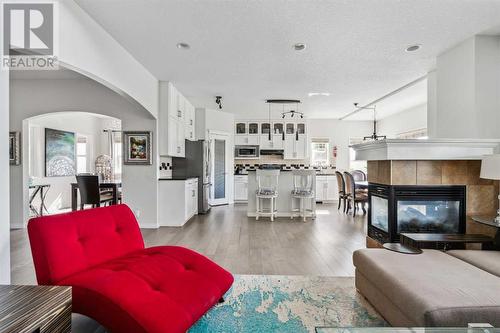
(196, 164)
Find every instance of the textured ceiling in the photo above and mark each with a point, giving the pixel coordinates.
(243, 51)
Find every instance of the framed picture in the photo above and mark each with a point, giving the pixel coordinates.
(137, 149)
(60, 155)
(15, 148)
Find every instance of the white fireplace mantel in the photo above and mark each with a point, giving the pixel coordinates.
(429, 149)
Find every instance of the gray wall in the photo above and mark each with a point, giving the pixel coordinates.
(32, 97)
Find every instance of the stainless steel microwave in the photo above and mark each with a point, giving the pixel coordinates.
(246, 151)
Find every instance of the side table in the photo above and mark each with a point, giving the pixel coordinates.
(35, 309)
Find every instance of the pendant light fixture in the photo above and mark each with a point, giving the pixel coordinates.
(374, 135)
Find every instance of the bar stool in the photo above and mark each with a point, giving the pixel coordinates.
(267, 188)
(303, 191)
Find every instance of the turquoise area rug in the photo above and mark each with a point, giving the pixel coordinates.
(271, 303)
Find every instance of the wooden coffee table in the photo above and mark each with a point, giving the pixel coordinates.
(443, 241)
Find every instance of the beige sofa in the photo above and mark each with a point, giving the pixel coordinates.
(433, 288)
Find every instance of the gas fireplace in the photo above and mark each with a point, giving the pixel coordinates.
(414, 209)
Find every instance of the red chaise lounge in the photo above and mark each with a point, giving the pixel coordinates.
(116, 281)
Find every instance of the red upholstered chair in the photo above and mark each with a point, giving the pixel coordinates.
(116, 281)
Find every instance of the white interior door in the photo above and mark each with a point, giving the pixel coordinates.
(219, 160)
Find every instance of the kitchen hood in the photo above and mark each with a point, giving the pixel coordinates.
(267, 152)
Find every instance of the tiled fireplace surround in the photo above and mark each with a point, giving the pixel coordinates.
(482, 194)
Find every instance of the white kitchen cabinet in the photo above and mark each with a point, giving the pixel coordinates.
(191, 198)
(241, 188)
(178, 201)
(189, 119)
(326, 188)
(242, 140)
(172, 121)
(278, 142)
(295, 146)
(265, 143)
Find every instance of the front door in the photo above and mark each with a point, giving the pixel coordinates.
(219, 161)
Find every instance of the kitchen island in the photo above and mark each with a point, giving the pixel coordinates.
(284, 200)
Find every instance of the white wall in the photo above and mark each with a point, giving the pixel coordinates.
(339, 132)
(4, 177)
(87, 48)
(467, 90)
(409, 120)
(82, 124)
(30, 98)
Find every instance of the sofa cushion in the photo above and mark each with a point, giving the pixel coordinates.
(432, 288)
(158, 289)
(65, 244)
(486, 260)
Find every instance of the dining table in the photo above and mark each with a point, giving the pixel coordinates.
(111, 185)
(362, 185)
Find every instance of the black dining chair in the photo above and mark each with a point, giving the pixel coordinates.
(354, 197)
(341, 186)
(90, 193)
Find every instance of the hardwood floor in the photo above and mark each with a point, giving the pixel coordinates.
(244, 246)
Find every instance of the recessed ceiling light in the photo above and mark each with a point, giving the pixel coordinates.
(299, 46)
(311, 94)
(413, 48)
(183, 46)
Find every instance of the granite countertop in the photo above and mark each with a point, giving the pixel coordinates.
(176, 178)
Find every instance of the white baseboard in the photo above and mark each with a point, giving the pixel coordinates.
(148, 224)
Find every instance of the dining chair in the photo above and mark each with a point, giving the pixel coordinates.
(90, 193)
(342, 190)
(354, 197)
(358, 175)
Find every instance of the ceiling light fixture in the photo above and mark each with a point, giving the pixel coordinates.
(311, 94)
(413, 48)
(374, 136)
(299, 46)
(183, 46)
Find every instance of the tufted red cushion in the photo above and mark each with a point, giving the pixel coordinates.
(68, 243)
(128, 289)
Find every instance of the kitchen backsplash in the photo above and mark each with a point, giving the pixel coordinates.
(240, 167)
(165, 167)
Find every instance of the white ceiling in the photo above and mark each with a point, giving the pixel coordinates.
(243, 51)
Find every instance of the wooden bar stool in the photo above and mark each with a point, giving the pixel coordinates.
(267, 188)
(303, 191)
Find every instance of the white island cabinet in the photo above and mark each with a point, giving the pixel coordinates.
(284, 200)
(240, 188)
(177, 201)
(326, 188)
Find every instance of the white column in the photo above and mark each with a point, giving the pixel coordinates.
(4, 178)
(467, 89)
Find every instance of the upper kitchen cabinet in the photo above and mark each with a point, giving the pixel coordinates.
(253, 128)
(241, 128)
(176, 121)
(189, 119)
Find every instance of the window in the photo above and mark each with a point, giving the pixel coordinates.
(117, 155)
(81, 154)
(320, 152)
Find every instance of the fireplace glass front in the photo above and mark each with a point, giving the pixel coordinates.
(428, 216)
(380, 216)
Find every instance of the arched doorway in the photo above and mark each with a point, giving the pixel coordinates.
(57, 146)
